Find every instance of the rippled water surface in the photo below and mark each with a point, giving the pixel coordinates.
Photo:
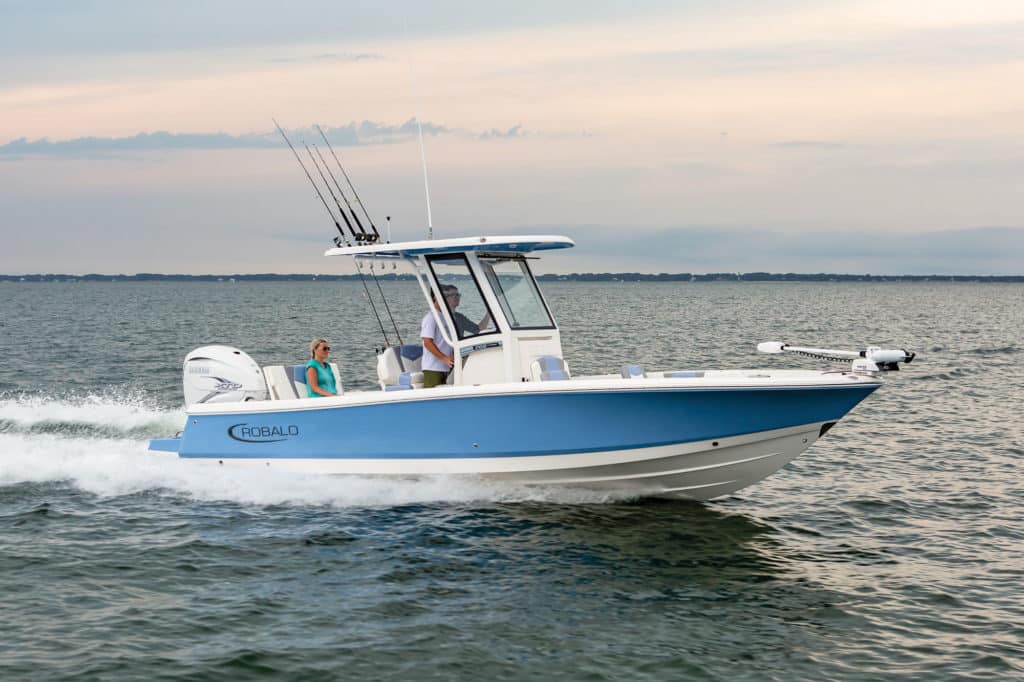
(893, 547)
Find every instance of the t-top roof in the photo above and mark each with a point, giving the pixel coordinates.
(514, 244)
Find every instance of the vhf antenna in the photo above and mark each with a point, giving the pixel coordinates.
(419, 126)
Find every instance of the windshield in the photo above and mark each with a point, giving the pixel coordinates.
(462, 296)
(517, 293)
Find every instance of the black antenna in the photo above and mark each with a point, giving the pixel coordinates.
(354, 193)
(340, 209)
(341, 232)
(363, 236)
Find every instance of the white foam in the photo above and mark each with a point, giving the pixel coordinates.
(122, 413)
(113, 467)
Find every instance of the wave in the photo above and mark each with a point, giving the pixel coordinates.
(128, 415)
(98, 444)
(1003, 350)
(115, 467)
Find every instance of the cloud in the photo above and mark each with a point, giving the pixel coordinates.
(353, 134)
(141, 142)
(494, 133)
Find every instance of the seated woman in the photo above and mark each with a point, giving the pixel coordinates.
(319, 377)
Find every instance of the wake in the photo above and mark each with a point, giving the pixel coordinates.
(99, 445)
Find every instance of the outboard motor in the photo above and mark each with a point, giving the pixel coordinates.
(221, 374)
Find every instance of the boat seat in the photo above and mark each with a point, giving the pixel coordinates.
(633, 372)
(298, 376)
(279, 383)
(396, 361)
(405, 380)
(289, 383)
(410, 355)
(549, 368)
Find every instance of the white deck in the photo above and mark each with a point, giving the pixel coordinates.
(712, 380)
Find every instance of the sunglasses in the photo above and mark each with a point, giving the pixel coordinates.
(324, 348)
(453, 295)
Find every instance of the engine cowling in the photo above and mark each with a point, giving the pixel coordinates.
(221, 374)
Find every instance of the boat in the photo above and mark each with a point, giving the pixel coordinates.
(513, 410)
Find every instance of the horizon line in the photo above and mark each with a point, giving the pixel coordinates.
(757, 275)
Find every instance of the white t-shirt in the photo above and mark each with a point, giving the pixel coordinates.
(430, 330)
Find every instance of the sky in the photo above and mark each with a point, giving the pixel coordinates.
(881, 137)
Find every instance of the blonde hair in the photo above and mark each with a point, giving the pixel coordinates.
(313, 346)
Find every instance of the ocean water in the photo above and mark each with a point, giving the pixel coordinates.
(894, 547)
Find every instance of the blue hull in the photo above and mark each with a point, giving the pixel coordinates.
(511, 425)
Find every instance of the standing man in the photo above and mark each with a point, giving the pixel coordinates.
(437, 360)
(463, 325)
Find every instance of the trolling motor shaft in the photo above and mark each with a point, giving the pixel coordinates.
(870, 360)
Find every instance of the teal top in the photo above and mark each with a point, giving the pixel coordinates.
(324, 378)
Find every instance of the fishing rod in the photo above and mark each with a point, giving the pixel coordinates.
(350, 185)
(341, 232)
(359, 239)
(338, 240)
(366, 236)
(336, 203)
(363, 236)
(385, 300)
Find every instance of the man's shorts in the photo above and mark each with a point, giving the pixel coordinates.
(433, 378)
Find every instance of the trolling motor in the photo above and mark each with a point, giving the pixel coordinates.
(871, 360)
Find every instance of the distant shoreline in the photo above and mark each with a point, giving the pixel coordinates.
(574, 277)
